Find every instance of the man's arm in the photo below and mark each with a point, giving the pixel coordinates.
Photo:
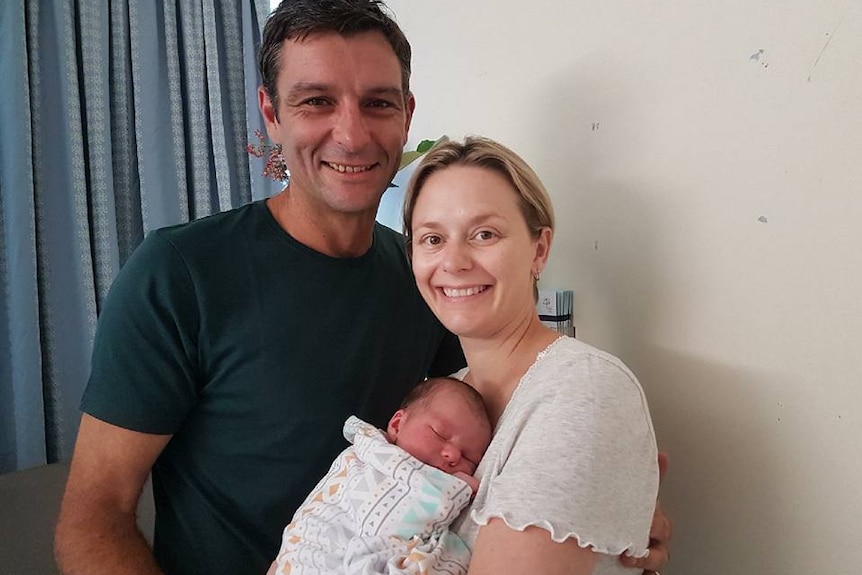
(97, 531)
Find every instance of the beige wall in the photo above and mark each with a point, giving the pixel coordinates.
(705, 160)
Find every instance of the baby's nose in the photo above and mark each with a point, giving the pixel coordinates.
(451, 454)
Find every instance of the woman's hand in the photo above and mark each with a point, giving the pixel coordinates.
(659, 535)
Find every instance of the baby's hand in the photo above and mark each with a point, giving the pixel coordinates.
(471, 481)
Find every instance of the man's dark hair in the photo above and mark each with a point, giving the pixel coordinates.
(423, 393)
(297, 19)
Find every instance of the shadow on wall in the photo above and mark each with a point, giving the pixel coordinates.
(722, 486)
(607, 218)
(615, 246)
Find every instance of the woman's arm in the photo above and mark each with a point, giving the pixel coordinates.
(500, 549)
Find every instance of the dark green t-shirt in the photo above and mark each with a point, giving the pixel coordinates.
(251, 350)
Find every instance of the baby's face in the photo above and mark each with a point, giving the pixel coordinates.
(444, 433)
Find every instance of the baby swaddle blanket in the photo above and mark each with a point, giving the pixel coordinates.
(378, 510)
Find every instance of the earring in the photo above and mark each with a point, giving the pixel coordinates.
(536, 276)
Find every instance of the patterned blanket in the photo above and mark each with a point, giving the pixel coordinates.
(378, 510)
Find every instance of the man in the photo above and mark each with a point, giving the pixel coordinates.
(231, 349)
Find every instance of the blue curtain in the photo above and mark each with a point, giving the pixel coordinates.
(116, 117)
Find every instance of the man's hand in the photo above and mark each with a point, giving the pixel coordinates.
(659, 534)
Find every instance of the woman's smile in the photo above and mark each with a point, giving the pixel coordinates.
(452, 292)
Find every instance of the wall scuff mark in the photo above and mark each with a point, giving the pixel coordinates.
(760, 56)
(826, 45)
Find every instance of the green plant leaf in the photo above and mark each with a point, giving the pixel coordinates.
(425, 145)
(423, 148)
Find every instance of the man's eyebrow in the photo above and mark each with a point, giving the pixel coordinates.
(389, 91)
(302, 88)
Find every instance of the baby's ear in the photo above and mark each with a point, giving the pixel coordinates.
(394, 426)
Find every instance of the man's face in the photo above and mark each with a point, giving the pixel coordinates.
(342, 120)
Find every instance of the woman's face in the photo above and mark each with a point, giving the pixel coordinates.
(473, 256)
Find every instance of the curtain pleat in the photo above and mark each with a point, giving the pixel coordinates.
(124, 159)
(224, 55)
(22, 435)
(189, 86)
(65, 282)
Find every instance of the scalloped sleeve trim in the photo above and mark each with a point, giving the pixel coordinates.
(560, 535)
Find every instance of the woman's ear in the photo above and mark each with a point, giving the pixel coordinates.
(543, 249)
(394, 426)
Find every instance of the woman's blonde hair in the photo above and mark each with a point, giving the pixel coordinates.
(484, 153)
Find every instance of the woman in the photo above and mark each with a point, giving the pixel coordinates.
(571, 476)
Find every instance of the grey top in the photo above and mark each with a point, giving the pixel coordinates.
(573, 453)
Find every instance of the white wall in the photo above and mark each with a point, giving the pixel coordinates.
(705, 160)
